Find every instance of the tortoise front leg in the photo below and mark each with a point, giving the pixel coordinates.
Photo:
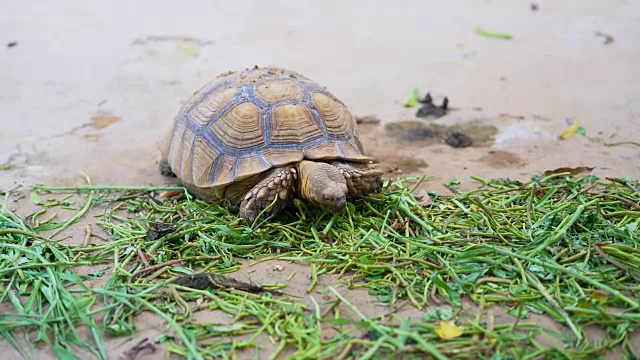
(279, 182)
(362, 179)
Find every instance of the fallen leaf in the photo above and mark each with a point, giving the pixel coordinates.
(570, 131)
(448, 330)
(584, 304)
(36, 199)
(170, 193)
(493, 35)
(412, 98)
(438, 314)
(186, 49)
(572, 171)
(425, 201)
(599, 297)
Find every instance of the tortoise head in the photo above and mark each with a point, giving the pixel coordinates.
(323, 185)
(331, 197)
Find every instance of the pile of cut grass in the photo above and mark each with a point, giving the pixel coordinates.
(561, 246)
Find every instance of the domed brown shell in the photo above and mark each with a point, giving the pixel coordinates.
(242, 124)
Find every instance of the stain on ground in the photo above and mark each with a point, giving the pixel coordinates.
(499, 159)
(410, 131)
(430, 134)
(102, 120)
(398, 164)
(99, 121)
(92, 137)
(368, 119)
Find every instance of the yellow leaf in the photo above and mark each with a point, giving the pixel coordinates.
(185, 48)
(599, 297)
(585, 304)
(448, 330)
(570, 131)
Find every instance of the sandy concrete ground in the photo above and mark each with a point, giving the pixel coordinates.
(91, 86)
(76, 60)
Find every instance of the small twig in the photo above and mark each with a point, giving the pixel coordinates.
(600, 251)
(87, 238)
(623, 199)
(171, 262)
(143, 257)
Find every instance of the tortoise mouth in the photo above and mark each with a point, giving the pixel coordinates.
(335, 206)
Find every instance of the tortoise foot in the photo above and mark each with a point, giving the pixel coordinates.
(272, 194)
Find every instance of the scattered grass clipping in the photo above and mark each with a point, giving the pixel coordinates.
(566, 247)
(492, 35)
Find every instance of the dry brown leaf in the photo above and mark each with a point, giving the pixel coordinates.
(170, 193)
(425, 201)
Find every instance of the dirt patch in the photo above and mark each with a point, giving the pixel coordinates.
(412, 131)
(429, 134)
(393, 156)
(407, 147)
(499, 159)
(101, 120)
(398, 164)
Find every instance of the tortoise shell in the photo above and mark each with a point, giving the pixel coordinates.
(244, 123)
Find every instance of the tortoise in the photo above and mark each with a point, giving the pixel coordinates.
(264, 136)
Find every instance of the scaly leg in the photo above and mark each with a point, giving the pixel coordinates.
(362, 179)
(279, 182)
